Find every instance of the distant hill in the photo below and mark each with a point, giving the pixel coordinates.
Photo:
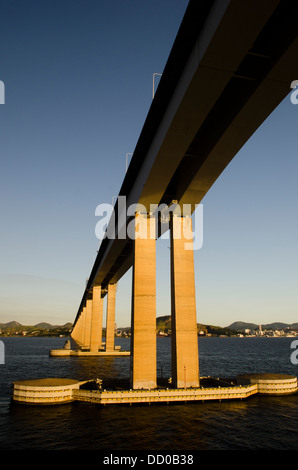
(241, 326)
(39, 326)
(48, 326)
(164, 322)
(11, 324)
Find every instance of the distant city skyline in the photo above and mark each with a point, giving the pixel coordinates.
(78, 86)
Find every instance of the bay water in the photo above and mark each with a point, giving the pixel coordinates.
(257, 423)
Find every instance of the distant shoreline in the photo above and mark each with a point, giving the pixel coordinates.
(163, 329)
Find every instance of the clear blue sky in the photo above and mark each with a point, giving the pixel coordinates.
(78, 83)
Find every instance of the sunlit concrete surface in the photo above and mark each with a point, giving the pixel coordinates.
(58, 391)
(45, 391)
(230, 66)
(79, 352)
(270, 384)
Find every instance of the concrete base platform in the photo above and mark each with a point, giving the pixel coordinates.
(80, 352)
(166, 396)
(270, 384)
(58, 391)
(49, 391)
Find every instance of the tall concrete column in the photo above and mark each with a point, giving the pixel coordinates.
(110, 327)
(185, 356)
(143, 325)
(83, 324)
(96, 320)
(87, 327)
(77, 332)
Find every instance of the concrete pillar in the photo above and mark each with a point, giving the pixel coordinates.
(110, 327)
(96, 320)
(87, 326)
(143, 324)
(77, 332)
(185, 356)
(83, 323)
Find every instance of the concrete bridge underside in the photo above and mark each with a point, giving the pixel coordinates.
(231, 64)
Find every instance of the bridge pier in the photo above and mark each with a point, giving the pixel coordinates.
(110, 325)
(185, 355)
(96, 320)
(82, 336)
(87, 332)
(77, 333)
(143, 322)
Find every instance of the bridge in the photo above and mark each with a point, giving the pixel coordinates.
(230, 66)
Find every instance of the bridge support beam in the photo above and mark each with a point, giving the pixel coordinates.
(96, 320)
(77, 333)
(87, 326)
(83, 332)
(110, 326)
(185, 356)
(143, 323)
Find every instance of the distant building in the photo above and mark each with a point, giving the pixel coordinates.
(260, 330)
